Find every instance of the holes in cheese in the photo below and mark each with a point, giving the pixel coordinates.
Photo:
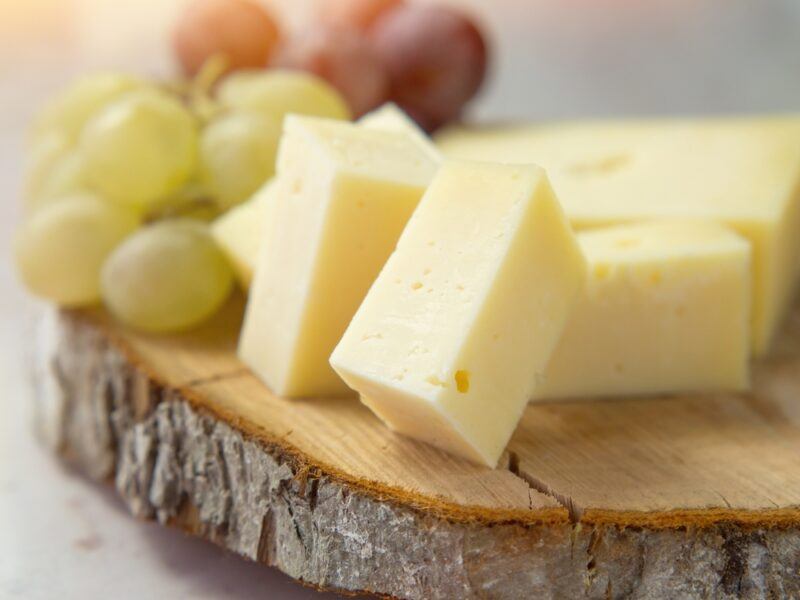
(600, 166)
(669, 315)
(740, 172)
(343, 195)
(506, 270)
(435, 381)
(462, 381)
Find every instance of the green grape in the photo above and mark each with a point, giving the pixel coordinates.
(60, 250)
(66, 177)
(278, 92)
(169, 276)
(139, 149)
(46, 152)
(237, 153)
(68, 111)
(55, 170)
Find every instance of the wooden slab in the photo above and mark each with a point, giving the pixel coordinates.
(627, 481)
(639, 458)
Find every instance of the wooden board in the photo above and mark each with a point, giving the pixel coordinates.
(670, 496)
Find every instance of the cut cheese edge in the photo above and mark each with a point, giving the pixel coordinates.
(461, 321)
(666, 309)
(343, 195)
(741, 172)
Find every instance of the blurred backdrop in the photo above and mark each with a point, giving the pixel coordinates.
(550, 59)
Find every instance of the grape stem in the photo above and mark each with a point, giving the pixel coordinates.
(196, 93)
(180, 209)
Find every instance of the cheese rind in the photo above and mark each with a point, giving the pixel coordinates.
(343, 195)
(461, 321)
(741, 172)
(238, 233)
(666, 309)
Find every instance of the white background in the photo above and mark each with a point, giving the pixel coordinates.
(61, 536)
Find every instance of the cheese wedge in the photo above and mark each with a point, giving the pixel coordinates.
(343, 195)
(461, 321)
(742, 172)
(666, 309)
(238, 233)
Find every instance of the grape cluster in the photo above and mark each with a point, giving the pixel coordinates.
(429, 59)
(124, 175)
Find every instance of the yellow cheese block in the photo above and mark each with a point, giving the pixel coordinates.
(343, 195)
(390, 117)
(453, 334)
(239, 231)
(666, 308)
(742, 172)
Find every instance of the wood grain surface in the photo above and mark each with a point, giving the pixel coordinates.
(385, 515)
(659, 462)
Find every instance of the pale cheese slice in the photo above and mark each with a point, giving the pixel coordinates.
(239, 231)
(742, 172)
(666, 309)
(462, 320)
(343, 196)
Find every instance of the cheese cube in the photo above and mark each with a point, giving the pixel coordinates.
(238, 232)
(742, 172)
(666, 308)
(344, 194)
(390, 117)
(461, 321)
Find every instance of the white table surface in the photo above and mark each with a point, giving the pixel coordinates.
(61, 536)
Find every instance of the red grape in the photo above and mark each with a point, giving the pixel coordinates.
(436, 58)
(240, 30)
(358, 14)
(345, 59)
